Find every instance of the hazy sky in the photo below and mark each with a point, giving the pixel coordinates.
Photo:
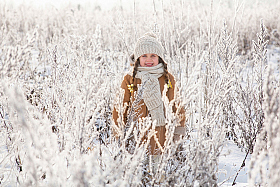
(105, 4)
(108, 4)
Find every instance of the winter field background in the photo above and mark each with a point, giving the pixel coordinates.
(61, 67)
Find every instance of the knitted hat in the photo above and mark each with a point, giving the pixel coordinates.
(147, 44)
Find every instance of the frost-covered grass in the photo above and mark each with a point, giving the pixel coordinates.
(61, 70)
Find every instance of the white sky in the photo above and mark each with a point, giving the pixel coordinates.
(105, 4)
(108, 4)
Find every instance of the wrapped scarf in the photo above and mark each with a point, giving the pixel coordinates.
(151, 93)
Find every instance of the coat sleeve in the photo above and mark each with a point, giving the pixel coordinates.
(179, 130)
(126, 99)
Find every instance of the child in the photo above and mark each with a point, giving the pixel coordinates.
(151, 70)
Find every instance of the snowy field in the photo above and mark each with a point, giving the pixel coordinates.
(61, 65)
(230, 162)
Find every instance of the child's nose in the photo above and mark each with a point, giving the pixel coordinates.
(149, 59)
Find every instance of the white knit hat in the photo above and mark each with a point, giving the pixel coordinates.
(147, 44)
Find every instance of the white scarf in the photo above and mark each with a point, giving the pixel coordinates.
(151, 93)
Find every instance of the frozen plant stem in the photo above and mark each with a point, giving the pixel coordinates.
(242, 166)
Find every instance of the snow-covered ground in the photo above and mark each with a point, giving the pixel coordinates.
(229, 163)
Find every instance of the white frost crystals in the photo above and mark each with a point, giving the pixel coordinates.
(60, 70)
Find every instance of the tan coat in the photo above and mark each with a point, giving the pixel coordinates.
(144, 111)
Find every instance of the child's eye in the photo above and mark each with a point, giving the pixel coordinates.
(144, 55)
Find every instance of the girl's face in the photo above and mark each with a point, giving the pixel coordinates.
(148, 60)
